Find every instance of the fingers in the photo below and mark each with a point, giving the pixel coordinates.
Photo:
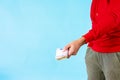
(67, 47)
(71, 51)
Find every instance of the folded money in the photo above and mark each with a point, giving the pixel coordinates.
(60, 54)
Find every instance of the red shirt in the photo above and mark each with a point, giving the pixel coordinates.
(104, 36)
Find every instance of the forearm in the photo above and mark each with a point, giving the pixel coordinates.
(81, 41)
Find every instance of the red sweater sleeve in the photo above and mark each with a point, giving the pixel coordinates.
(106, 23)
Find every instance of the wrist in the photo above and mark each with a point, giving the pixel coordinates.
(81, 41)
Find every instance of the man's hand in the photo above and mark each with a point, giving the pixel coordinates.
(74, 46)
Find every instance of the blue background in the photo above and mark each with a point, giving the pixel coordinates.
(30, 32)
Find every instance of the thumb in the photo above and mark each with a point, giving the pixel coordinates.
(66, 47)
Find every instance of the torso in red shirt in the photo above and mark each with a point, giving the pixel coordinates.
(105, 30)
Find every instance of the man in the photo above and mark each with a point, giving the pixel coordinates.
(103, 53)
